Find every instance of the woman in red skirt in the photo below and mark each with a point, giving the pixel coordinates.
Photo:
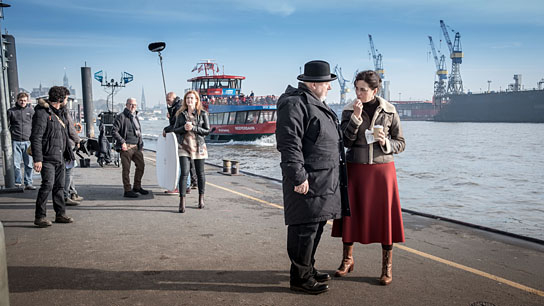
(372, 134)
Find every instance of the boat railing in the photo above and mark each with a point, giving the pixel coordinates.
(243, 100)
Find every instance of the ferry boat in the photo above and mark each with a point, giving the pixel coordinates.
(233, 115)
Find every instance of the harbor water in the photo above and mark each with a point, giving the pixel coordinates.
(489, 174)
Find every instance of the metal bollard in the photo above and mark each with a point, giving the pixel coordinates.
(4, 291)
(226, 166)
(235, 167)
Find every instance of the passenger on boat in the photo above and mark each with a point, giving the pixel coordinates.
(192, 125)
(376, 215)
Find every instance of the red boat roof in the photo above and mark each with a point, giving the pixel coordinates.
(217, 76)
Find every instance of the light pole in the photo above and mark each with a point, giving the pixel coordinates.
(5, 136)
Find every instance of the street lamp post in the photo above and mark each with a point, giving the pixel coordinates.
(5, 136)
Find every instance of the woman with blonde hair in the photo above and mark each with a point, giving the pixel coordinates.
(191, 127)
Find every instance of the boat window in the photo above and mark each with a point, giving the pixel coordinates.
(252, 117)
(223, 118)
(213, 118)
(232, 116)
(266, 115)
(224, 83)
(241, 117)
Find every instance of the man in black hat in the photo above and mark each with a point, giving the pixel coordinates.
(310, 143)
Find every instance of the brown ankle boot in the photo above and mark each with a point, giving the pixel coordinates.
(200, 201)
(181, 204)
(387, 267)
(347, 262)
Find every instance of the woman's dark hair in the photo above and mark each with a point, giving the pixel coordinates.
(57, 94)
(370, 77)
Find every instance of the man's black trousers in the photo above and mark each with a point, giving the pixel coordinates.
(302, 241)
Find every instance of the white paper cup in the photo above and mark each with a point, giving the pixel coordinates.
(377, 129)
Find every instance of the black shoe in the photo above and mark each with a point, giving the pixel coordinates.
(63, 219)
(310, 286)
(130, 194)
(194, 186)
(140, 190)
(321, 277)
(30, 187)
(42, 222)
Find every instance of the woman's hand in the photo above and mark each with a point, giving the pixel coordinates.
(357, 108)
(381, 138)
(188, 126)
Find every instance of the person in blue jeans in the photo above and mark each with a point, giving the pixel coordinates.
(20, 127)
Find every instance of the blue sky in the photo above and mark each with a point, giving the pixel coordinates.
(267, 41)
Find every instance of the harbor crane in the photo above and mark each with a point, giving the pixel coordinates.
(343, 82)
(378, 64)
(455, 84)
(441, 71)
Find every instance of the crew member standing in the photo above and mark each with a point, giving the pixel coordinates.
(128, 136)
(49, 147)
(20, 127)
(308, 138)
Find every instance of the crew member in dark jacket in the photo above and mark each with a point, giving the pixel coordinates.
(127, 132)
(50, 150)
(20, 127)
(309, 140)
(71, 198)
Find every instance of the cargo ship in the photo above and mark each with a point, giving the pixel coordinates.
(233, 115)
(513, 105)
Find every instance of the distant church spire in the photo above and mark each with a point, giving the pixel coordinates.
(142, 101)
(65, 80)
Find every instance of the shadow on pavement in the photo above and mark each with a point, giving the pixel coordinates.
(32, 279)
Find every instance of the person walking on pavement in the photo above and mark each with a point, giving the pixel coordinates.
(71, 197)
(192, 125)
(310, 143)
(173, 103)
(20, 127)
(50, 150)
(127, 132)
(372, 134)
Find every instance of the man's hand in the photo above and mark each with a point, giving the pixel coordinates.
(124, 146)
(163, 134)
(37, 166)
(302, 188)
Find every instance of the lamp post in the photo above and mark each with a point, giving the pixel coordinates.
(5, 136)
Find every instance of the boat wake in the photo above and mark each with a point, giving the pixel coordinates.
(265, 141)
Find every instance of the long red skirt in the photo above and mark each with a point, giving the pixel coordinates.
(375, 206)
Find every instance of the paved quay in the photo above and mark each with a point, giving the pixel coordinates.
(141, 251)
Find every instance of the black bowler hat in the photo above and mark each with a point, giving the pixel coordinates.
(317, 71)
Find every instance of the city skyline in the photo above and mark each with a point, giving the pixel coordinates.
(269, 42)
